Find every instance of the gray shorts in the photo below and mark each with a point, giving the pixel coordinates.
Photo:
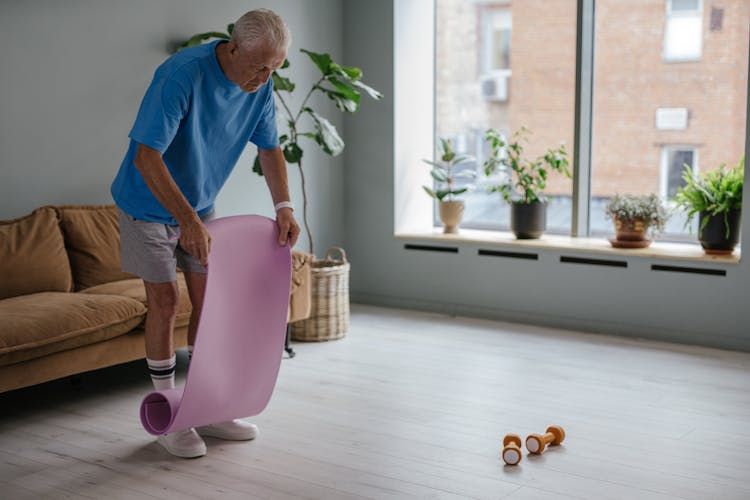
(151, 250)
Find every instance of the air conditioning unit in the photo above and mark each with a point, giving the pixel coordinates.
(494, 86)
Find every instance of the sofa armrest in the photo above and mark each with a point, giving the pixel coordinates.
(299, 300)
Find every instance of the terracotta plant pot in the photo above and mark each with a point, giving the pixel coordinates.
(630, 229)
(451, 213)
(630, 233)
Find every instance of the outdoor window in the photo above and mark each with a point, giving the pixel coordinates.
(674, 160)
(683, 38)
(650, 117)
(641, 118)
(498, 22)
(506, 65)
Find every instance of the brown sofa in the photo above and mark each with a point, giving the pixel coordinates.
(65, 305)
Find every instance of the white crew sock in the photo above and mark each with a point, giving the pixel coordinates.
(162, 372)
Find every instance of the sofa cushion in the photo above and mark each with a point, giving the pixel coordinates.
(32, 255)
(134, 289)
(43, 323)
(92, 238)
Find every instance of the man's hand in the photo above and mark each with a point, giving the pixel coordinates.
(288, 228)
(195, 240)
(194, 237)
(274, 170)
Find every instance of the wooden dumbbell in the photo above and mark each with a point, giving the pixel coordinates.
(512, 449)
(536, 443)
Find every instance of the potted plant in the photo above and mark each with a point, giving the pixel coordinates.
(524, 180)
(636, 217)
(342, 84)
(443, 172)
(716, 196)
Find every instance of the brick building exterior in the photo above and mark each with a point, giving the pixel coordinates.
(632, 80)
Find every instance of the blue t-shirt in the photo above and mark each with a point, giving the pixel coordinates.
(201, 122)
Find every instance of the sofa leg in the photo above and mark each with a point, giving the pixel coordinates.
(287, 347)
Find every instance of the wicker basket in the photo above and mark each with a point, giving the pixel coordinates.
(329, 315)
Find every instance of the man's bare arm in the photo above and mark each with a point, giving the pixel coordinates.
(274, 170)
(194, 237)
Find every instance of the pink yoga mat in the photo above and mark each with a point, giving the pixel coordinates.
(241, 333)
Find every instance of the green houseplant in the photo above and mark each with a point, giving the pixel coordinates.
(524, 180)
(716, 196)
(445, 189)
(636, 217)
(342, 84)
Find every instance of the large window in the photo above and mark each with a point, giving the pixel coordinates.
(506, 65)
(652, 116)
(669, 87)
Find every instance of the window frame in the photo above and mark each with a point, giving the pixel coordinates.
(664, 165)
(669, 15)
(413, 114)
(487, 41)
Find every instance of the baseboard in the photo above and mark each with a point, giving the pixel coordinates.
(633, 331)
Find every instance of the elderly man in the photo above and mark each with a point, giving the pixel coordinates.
(203, 106)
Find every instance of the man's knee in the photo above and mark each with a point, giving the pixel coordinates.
(163, 298)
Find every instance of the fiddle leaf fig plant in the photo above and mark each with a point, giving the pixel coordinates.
(342, 84)
(202, 37)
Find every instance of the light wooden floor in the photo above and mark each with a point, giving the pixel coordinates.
(413, 405)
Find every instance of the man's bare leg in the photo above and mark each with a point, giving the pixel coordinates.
(162, 300)
(196, 284)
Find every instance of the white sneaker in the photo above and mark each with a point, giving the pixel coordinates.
(185, 444)
(234, 430)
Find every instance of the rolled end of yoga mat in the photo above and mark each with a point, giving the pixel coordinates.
(240, 339)
(158, 410)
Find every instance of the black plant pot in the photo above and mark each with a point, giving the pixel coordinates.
(528, 221)
(713, 237)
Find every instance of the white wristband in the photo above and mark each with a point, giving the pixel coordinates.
(283, 204)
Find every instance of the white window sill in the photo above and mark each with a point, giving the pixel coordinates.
(678, 60)
(678, 251)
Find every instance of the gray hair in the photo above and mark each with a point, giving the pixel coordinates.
(261, 26)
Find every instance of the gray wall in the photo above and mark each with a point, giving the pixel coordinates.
(73, 74)
(636, 301)
(71, 80)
